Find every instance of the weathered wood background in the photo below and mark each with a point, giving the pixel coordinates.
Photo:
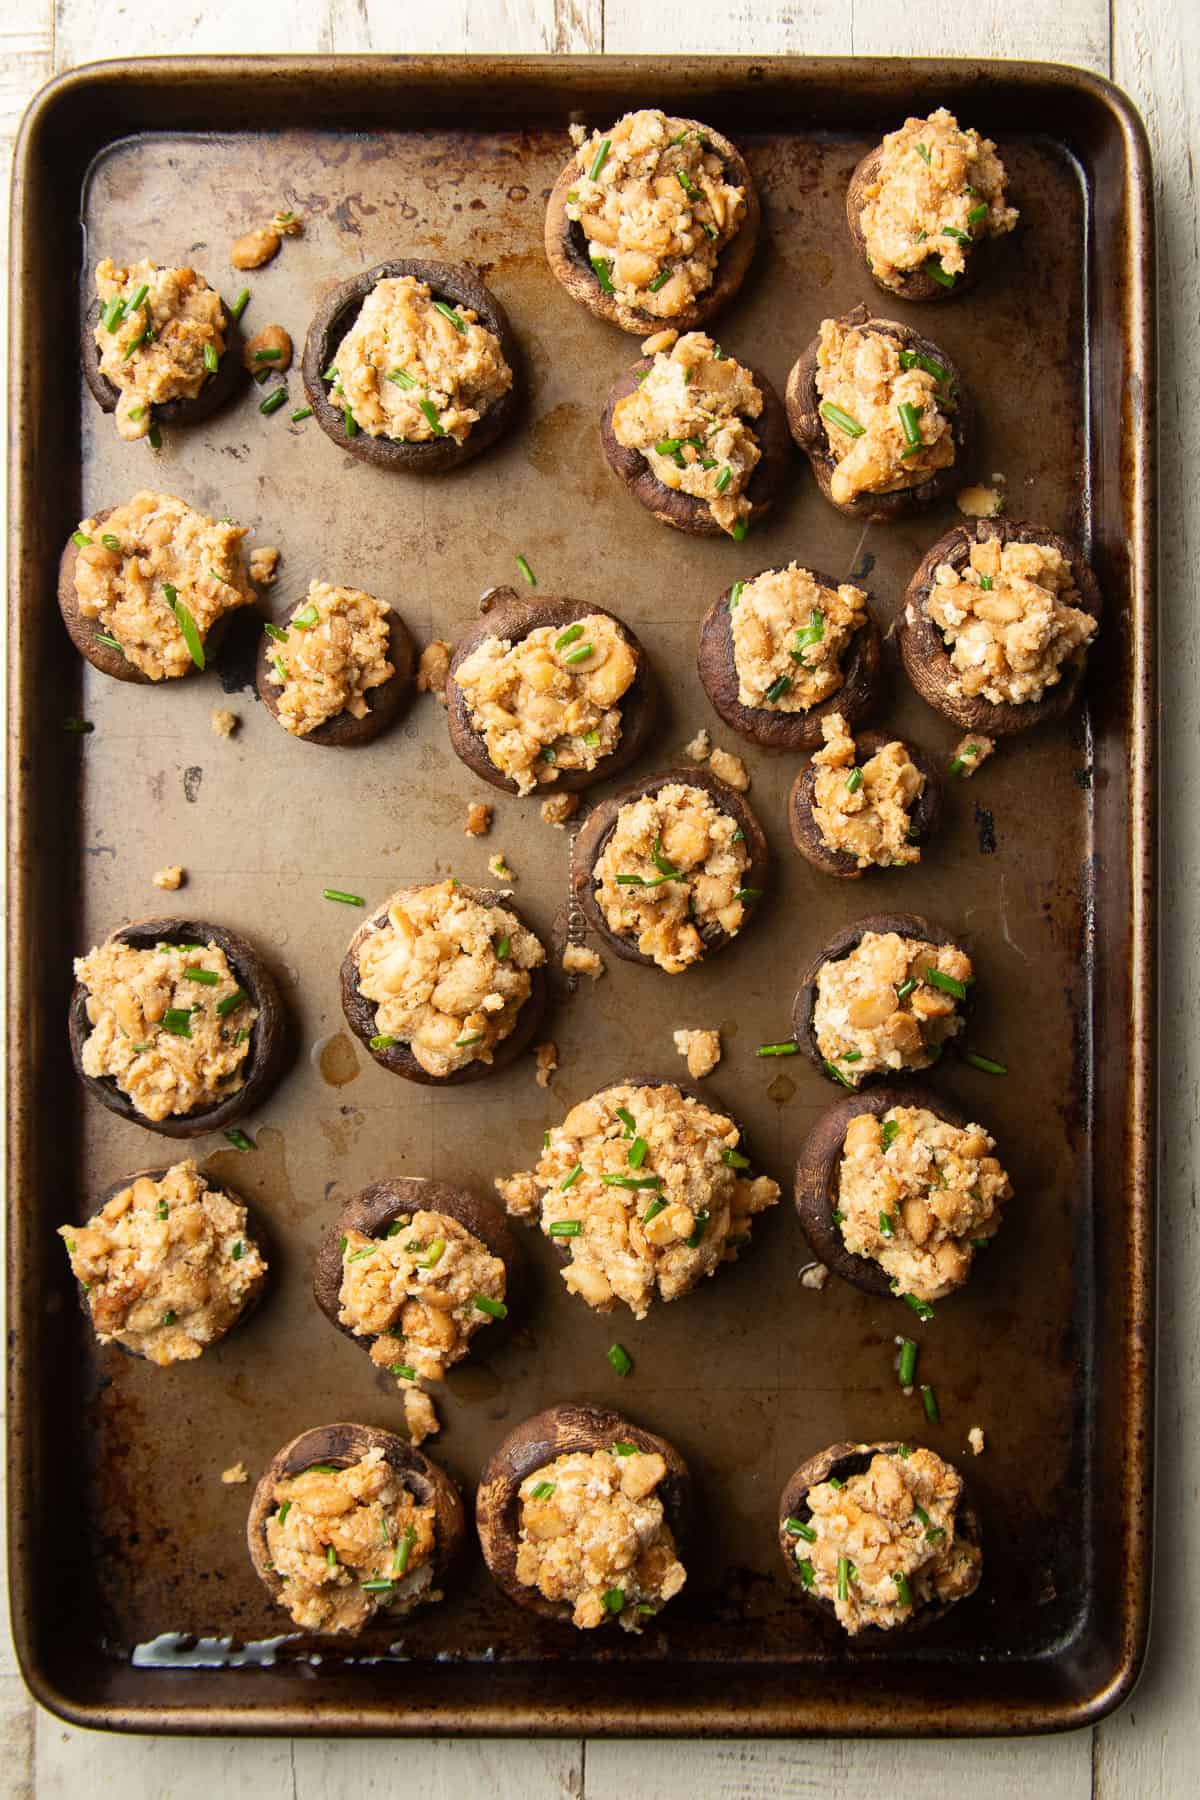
(1149, 1750)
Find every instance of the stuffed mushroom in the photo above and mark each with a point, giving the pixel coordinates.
(781, 651)
(996, 625)
(880, 1537)
(645, 1191)
(146, 589)
(159, 347)
(177, 1025)
(883, 416)
(351, 1527)
(167, 1264)
(924, 202)
(338, 669)
(863, 803)
(699, 439)
(669, 869)
(411, 366)
(444, 983)
(897, 1190)
(583, 1517)
(549, 694)
(652, 222)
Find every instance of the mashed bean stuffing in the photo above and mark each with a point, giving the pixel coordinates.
(892, 1003)
(151, 561)
(350, 1543)
(868, 382)
(648, 1191)
(690, 417)
(937, 190)
(333, 654)
(864, 809)
(448, 974)
(171, 1026)
(592, 1534)
(1010, 620)
(883, 1543)
(160, 336)
(790, 636)
(672, 870)
(655, 209)
(413, 367)
(166, 1265)
(549, 701)
(919, 1196)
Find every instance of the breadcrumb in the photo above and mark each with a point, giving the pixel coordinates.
(223, 722)
(254, 248)
(171, 877)
(268, 351)
(433, 667)
(498, 867)
(981, 502)
(730, 768)
(420, 1416)
(969, 753)
(700, 747)
(659, 340)
(264, 563)
(479, 819)
(702, 1049)
(975, 1439)
(547, 1062)
(288, 224)
(814, 1275)
(233, 1477)
(577, 959)
(558, 808)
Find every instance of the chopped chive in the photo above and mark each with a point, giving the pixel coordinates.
(526, 571)
(237, 1250)
(330, 373)
(495, 1309)
(628, 1121)
(600, 158)
(136, 343)
(614, 1600)
(283, 1512)
(570, 1179)
(565, 1228)
(240, 304)
(948, 983)
(591, 739)
(986, 583)
(305, 619)
(580, 655)
(687, 184)
(922, 151)
(777, 1049)
(187, 626)
(969, 754)
(835, 1481)
(977, 215)
(748, 893)
(637, 1153)
(922, 1308)
(836, 416)
(916, 359)
(154, 437)
(619, 1358)
(239, 1140)
(358, 1255)
(701, 1226)
(850, 1056)
(739, 531)
(660, 861)
(660, 281)
(903, 1591)
(448, 312)
(275, 400)
(902, 993)
(908, 1361)
(476, 1037)
(503, 948)
(280, 667)
(920, 1515)
(854, 781)
(778, 688)
(161, 1210)
(844, 1566)
(601, 269)
(934, 269)
(735, 593)
(403, 1551)
(542, 1491)
(113, 313)
(241, 1036)
(952, 231)
(568, 637)
(80, 539)
(910, 416)
(331, 1556)
(433, 1254)
(657, 1205)
(986, 1064)
(401, 378)
(279, 632)
(169, 1318)
(377, 1585)
(111, 543)
(545, 1140)
(212, 361)
(402, 1371)
(797, 1528)
(739, 836)
(887, 1225)
(805, 1571)
(724, 479)
(80, 727)
(267, 356)
(350, 423)
(838, 1217)
(206, 977)
(346, 899)
(733, 1159)
(632, 1181)
(431, 414)
(178, 1021)
(831, 1068)
(929, 1402)
(806, 635)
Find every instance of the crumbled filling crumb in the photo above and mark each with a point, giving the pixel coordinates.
(578, 959)
(892, 1003)
(699, 748)
(333, 653)
(814, 1275)
(969, 753)
(163, 348)
(887, 411)
(545, 1063)
(646, 1188)
(170, 878)
(937, 191)
(479, 819)
(1010, 620)
(236, 1475)
(498, 867)
(865, 809)
(556, 809)
(433, 668)
(223, 722)
(978, 502)
(791, 635)
(264, 565)
(702, 1049)
(975, 1440)
(730, 769)
(420, 1416)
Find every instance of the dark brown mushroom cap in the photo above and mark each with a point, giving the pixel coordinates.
(684, 511)
(399, 1059)
(215, 391)
(915, 285)
(343, 1445)
(840, 945)
(563, 1430)
(817, 1172)
(385, 703)
(601, 822)
(263, 1066)
(374, 1208)
(82, 630)
(512, 618)
(806, 833)
(923, 649)
(566, 250)
(856, 699)
(845, 1460)
(255, 1233)
(453, 282)
(802, 401)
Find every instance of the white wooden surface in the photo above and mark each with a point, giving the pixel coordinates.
(1148, 1752)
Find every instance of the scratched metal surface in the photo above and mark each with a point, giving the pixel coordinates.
(752, 1373)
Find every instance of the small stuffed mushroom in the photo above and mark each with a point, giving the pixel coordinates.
(200, 1269)
(884, 997)
(644, 1190)
(880, 1537)
(176, 1025)
(583, 1518)
(159, 347)
(706, 219)
(923, 206)
(860, 803)
(699, 439)
(670, 868)
(882, 414)
(982, 591)
(412, 1269)
(780, 652)
(491, 985)
(351, 1526)
(147, 589)
(411, 366)
(549, 694)
(896, 1191)
(338, 669)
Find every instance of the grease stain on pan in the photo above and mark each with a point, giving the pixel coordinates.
(336, 1059)
(781, 1090)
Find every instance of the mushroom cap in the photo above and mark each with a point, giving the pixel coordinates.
(915, 285)
(263, 1066)
(385, 703)
(806, 834)
(215, 391)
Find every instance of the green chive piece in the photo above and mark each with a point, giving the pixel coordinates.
(952, 231)
(660, 861)
(402, 1371)
(113, 313)
(854, 781)
(350, 423)
(929, 1402)
(632, 1181)
(599, 160)
(431, 414)
(331, 373)
(915, 359)
(637, 1153)
(565, 1228)
(187, 626)
(279, 632)
(908, 1362)
(656, 1206)
(570, 1179)
(331, 1556)
(80, 727)
(280, 667)
(111, 543)
(687, 184)
(922, 151)
(301, 412)
(503, 948)
(601, 268)
(267, 356)
(136, 343)
(619, 1359)
(283, 1512)
(843, 421)
(346, 899)
(239, 1140)
(591, 739)
(986, 583)
(206, 977)
(948, 983)
(377, 1585)
(887, 1225)
(154, 437)
(838, 1217)
(778, 689)
(628, 1121)
(275, 400)
(169, 1318)
(986, 1064)
(545, 1140)
(306, 618)
(935, 271)
(80, 539)
(580, 655)
(920, 1515)
(178, 1021)
(495, 1309)
(806, 635)
(805, 1571)
(902, 993)
(448, 312)
(401, 378)
(568, 637)
(241, 1036)
(701, 1226)
(835, 1481)
(526, 571)
(922, 1308)
(724, 479)
(660, 280)
(777, 1049)
(542, 1491)
(360, 1254)
(843, 1577)
(212, 361)
(161, 1210)
(735, 593)
(614, 1600)
(240, 304)
(832, 1069)
(733, 1159)
(977, 215)
(910, 416)
(797, 1528)
(903, 1591)
(739, 531)
(238, 1250)
(475, 1037)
